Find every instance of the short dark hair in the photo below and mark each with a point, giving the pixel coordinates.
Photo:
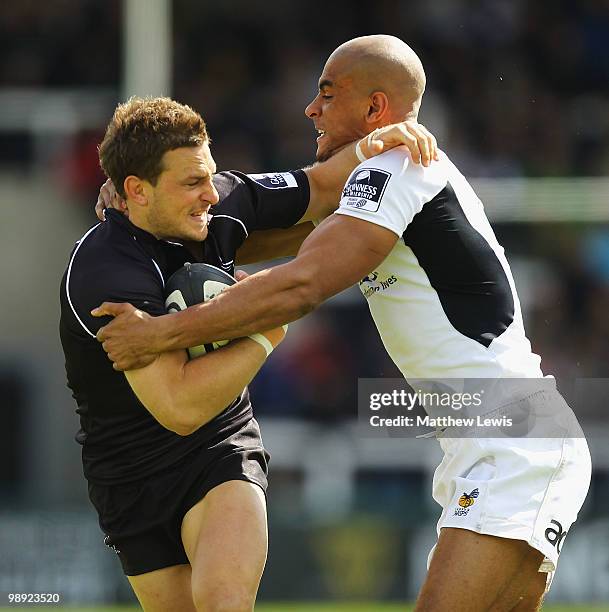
(141, 131)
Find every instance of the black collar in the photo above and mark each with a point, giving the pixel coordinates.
(165, 253)
(153, 247)
(142, 236)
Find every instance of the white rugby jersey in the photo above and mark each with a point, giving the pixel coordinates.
(444, 299)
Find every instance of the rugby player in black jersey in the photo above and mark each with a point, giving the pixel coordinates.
(442, 295)
(173, 457)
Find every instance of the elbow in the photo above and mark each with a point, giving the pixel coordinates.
(172, 414)
(175, 407)
(187, 417)
(178, 424)
(183, 424)
(183, 430)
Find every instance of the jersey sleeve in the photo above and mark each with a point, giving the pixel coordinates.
(263, 201)
(91, 280)
(389, 190)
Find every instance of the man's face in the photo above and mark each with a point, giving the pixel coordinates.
(179, 203)
(339, 109)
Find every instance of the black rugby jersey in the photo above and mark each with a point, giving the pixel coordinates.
(119, 262)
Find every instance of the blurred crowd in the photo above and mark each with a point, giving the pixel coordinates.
(515, 88)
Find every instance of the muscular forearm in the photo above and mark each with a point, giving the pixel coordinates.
(184, 395)
(327, 263)
(340, 252)
(263, 301)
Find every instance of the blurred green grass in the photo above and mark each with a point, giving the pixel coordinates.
(309, 607)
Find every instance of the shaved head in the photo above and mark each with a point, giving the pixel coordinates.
(366, 83)
(384, 63)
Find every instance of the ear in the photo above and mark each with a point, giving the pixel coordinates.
(135, 190)
(378, 109)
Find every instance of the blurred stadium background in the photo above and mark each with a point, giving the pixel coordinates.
(518, 95)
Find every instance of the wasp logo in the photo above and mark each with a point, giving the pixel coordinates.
(370, 278)
(468, 499)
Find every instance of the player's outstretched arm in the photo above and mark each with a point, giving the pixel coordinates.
(183, 395)
(340, 252)
(326, 181)
(328, 178)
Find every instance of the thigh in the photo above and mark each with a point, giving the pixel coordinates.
(472, 571)
(225, 537)
(164, 589)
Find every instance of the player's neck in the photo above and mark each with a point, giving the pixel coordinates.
(137, 218)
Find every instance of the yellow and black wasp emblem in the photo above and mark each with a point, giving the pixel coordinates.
(467, 499)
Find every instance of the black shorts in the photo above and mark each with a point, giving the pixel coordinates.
(142, 520)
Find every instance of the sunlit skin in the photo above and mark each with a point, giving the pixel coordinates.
(366, 83)
(339, 109)
(177, 206)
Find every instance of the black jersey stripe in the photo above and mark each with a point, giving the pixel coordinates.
(462, 267)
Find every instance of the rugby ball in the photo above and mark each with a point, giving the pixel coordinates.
(192, 284)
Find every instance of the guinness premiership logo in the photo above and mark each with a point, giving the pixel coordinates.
(365, 189)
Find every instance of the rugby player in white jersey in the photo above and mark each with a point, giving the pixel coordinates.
(443, 298)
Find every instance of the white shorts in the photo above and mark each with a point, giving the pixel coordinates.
(528, 488)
